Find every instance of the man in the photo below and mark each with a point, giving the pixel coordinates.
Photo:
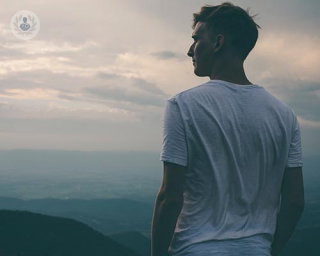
(232, 181)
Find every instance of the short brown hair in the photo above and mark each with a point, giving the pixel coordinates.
(233, 22)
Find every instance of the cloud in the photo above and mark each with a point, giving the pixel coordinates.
(302, 96)
(44, 47)
(90, 112)
(286, 55)
(104, 75)
(308, 123)
(6, 53)
(147, 86)
(168, 55)
(55, 65)
(31, 94)
(172, 76)
(36, 90)
(115, 93)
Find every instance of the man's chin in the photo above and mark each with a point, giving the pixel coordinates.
(198, 73)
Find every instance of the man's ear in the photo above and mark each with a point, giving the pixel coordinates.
(219, 42)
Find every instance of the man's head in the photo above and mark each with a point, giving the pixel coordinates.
(222, 33)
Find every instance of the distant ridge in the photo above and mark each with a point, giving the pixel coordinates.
(107, 216)
(37, 234)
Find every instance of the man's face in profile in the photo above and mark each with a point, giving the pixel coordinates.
(202, 50)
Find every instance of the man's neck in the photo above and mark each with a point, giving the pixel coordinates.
(230, 72)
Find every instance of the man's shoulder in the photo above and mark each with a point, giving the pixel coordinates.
(186, 94)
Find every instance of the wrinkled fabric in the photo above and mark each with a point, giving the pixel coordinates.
(257, 245)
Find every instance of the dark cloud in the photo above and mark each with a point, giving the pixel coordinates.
(12, 54)
(165, 55)
(68, 97)
(147, 86)
(122, 94)
(300, 96)
(301, 17)
(104, 75)
(18, 82)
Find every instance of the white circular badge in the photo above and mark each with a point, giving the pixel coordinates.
(25, 25)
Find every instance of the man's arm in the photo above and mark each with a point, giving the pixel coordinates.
(292, 205)
(167, 209)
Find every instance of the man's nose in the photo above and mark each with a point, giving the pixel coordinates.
(190, 52)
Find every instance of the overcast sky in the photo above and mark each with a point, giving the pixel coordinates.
(97, 75)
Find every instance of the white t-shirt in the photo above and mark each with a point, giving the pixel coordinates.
(236, 141)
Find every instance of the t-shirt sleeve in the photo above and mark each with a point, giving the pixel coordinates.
(295, 151)
(174, 147)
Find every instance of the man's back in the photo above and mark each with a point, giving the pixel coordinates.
(235, 141)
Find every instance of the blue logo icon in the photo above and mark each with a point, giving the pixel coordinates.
(25, 26)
